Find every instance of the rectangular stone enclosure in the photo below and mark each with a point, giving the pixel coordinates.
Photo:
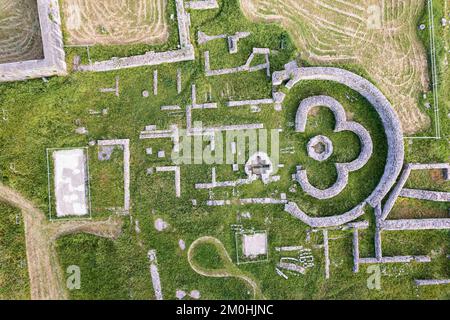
(20, 31)
(71, 182)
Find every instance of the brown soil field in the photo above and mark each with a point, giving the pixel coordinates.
(115, 22)
(378, 35)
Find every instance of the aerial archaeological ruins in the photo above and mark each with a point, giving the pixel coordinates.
(257, 178)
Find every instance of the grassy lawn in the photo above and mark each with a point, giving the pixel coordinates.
(109, 269)
(208, 256)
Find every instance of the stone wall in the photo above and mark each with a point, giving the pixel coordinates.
(340, 184)
(176, 170)
(412, 193)
(242, 103)
(325, 222)
(185, 53)
(126, 166)
(392, 126)
(244, 68)
(306, 105)
(202, 4)
(415, 224)
(245, 201)
(395, 192)
(365, 142)
(391, 123)
(425, 195)
(342, 124)
(355, 242)
(396, 259)
(148, 59)
(431, 282)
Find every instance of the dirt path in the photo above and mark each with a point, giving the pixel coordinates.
(230, 270)
(46, 279)
(378, 35)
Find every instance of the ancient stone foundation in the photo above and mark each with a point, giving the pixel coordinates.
(342, 124)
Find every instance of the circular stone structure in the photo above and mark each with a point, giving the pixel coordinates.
(392, 129)
(342, 124)
(320, 148)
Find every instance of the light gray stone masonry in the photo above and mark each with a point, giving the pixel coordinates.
(126, 166)
(340, 184)
(192, 131)
(156, 281)
(342, 124)
(179, 81)
(425, 195)
(202, 4)
(246, 201)
(431, 282)
(360, 225)
(326, 250)
(355, 241)
(249, 102)
(234, 40)
(395, 192)
(155, 82)
(203, 38)
(322, 155)
(291, 267)
(177, 172)
(378, 246)
(244, 68)
(325, 222)
(395, 259)
(391, 123)
(170, 108)
(415, 224)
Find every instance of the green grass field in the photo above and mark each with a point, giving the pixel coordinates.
(45, 115)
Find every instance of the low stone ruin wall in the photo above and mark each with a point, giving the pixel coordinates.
(202, 4)
(340, 184)
(425, 195)
(325, 222)
(391, 123)
(415, 224)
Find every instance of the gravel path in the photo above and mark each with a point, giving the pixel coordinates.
(230, 270)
